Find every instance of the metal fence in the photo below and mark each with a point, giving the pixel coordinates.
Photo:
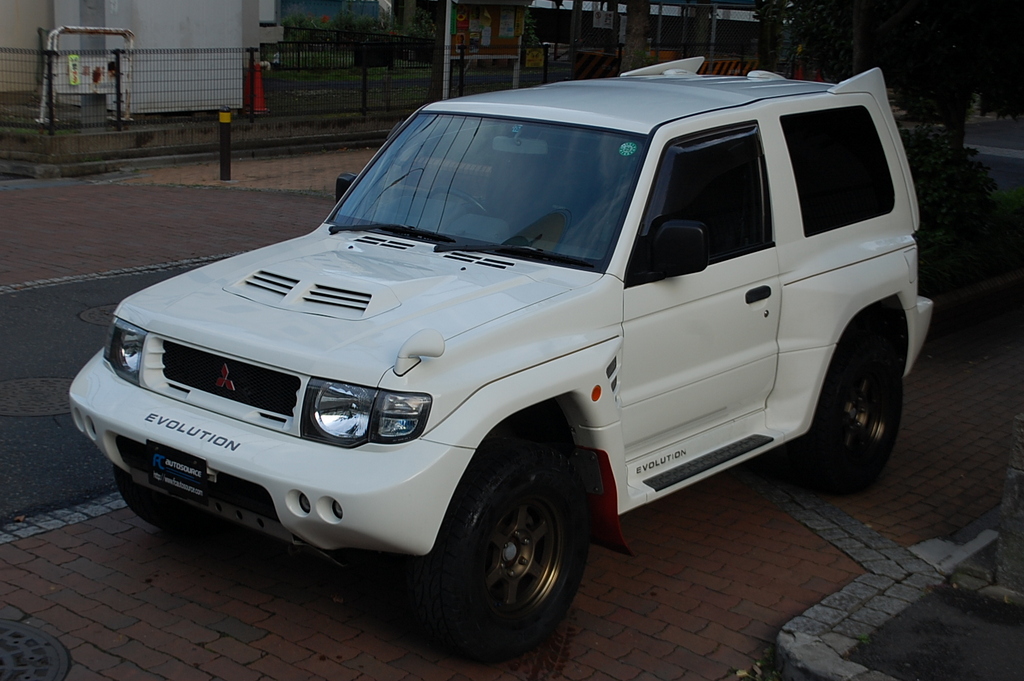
(328, 73)
(69, 90)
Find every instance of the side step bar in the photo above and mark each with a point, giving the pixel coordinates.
(706, 462)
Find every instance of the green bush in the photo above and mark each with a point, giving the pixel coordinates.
(962, 239)
(343, 21)
(422, 25)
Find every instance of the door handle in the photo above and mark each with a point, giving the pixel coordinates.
(759, 293)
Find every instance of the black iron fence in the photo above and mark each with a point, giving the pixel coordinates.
(75, 90)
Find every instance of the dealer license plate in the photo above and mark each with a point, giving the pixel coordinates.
(181, 474)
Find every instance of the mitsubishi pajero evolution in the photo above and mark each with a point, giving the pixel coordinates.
(534, 311)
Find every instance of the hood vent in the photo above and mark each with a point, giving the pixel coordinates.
(272, 282)
(338, 297)
(479, 260)
(386, 243)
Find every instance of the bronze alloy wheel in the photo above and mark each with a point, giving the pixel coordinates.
(864, 415)
(524, 557)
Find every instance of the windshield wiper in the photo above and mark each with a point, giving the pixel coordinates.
(404, 230)
(523, 251)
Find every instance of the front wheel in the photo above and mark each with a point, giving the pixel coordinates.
(509, 555)
(856, 420)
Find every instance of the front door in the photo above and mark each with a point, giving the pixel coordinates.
(700, 350)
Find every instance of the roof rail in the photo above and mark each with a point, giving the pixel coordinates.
(679, 67)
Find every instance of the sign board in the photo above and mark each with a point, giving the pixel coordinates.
(87, 75)
(603, 19)
(534, 57)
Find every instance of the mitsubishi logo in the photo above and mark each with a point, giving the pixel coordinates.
(224, 381)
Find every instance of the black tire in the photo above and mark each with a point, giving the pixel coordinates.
(856, 420)
(165, 512)
(509, 556)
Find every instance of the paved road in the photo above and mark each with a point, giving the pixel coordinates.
(1000, 143)
(47, 462)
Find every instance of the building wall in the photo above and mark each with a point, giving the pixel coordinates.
(162, 24)
(195, 34)
(21, 19)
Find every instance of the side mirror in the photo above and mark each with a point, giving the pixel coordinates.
(679, 247)
(342, 184)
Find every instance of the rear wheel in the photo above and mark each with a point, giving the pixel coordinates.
(509, 555)
(163, 511)
(856, 420)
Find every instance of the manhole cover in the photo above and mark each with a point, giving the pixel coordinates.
(34, 396)
(101, 316)
(27, 653)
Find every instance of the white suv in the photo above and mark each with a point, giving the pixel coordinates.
(532, 312)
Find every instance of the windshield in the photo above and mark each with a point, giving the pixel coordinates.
(488, 182)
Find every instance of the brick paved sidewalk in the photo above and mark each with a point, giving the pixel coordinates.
(85, 229)
(950, 460)
(718, 571)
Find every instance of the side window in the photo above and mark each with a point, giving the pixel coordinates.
(717, 179)
(841, 173)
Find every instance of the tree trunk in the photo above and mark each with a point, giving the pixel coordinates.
(770, 14)
(635, 53)
(409, 15)
(953, 110)
(863, 35)
(436, 89)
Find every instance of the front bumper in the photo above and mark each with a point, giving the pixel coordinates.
(392, 497)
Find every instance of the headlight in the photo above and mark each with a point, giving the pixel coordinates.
(351, 415)
(124, 349)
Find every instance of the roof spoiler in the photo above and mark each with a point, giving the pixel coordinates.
(679, 67)
(870, 82)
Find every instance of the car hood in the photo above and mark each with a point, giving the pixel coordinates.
(342, 306)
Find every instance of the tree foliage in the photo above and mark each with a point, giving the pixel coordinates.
(936, 51)
(342, 21)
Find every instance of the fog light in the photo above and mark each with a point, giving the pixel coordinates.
(304, 503)
(336, 508)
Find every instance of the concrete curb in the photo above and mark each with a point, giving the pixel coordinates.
(54, 520)
(811, 646)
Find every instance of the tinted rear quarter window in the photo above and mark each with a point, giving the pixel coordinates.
(841, 173)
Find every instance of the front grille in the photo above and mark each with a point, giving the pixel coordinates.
(231, 379)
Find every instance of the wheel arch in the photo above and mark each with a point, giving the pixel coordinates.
(885, 318)
(801, 372)
(550, 423)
